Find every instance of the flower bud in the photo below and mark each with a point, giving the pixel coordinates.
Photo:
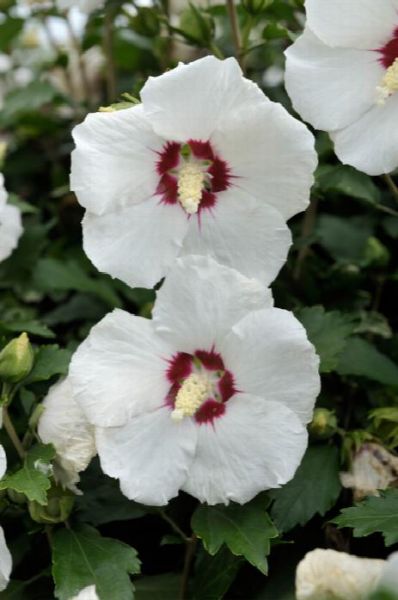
(376, 254)
(16, 359)
(59, 506)
(255, 7)
(323, 424)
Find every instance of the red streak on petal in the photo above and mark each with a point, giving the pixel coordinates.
(209, 411)
(210, 360)
(201, 150)
(389, 52)
(168, 189)
(220, 175)
(226, 385)
(169, 157)
(180, 367)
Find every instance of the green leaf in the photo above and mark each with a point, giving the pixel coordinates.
(29, 326)
(246, 530)
(52, 274)
(214, 575)
(373, 515)
(344, 238)
(49, 361)
(313, 490)
(348, 181)
(158, 587)
(28, 98)
(32, 479)
(328, 331)
(363, 359)
(81, 558)
(9, 29)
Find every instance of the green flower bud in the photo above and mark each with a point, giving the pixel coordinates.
(255, 7)
(197, 25)
(323, 424)
(16, 497)
(376, 254)
(59, 506)
(16, 359)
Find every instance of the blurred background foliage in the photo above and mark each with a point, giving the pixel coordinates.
(341, 280)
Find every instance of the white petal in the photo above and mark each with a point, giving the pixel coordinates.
(271, 155)
(119, 370)
(5, 562)
(3, 462)
(187, 102)
(87, 593)
(136, 244)
(64, 425)
(389, 578)
(270, 356)
(256, 445)
(243, 233)
(114, 163)
(200, 300)
(150, 455)
(371, 143)
(325, 574)
(330, 87)
(10, 230)
(3, 192)
(353, 23)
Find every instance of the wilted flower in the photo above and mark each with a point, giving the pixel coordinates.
(211, 396)
(10, 224)
(206, 165)
(64, 425)
(342, 76)
(5, 556)
(331, 575)
(373, 468)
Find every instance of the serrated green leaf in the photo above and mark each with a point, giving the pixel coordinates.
(313, 490)
(214, 575)
(328, 331)
(49, 361)
(246, 530)
(373, 515)
(32, 480)
(361, 358)
(81, 557)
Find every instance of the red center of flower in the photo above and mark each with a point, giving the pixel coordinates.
(172, 158)
(389, 52)
(209, 366)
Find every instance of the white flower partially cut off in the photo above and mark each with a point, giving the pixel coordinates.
(10, 224)
(5, 556)
(206, 165)
(64, 425)
(211, 396)
(331, 575)
(342, 77)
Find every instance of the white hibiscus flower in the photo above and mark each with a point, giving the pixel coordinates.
(10, 224)
(211, 396)
(342, 76)
(64, 425)
(206, 165)
(85, 6)
(88, 593)
(331, 575)
(5, 556)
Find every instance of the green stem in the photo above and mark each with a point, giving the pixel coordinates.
(110, 63)
(306, 230)
(82, 65)
(216, 50)
(236, 36)
(189, 556)
(392, 186)
(174, 526)
(246, 33)
(12, 434)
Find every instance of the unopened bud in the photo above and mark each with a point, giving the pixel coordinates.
(59, 506)
(255, 7)
(323, 424)
(16, 359)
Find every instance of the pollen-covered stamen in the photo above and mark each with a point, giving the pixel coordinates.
(389, 83)
(191, 179)
(192, 393)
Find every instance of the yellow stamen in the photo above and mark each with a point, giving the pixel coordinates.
(389, 83)
(190, 186)
(190, 396)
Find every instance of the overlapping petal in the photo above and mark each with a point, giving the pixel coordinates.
(119, 370)
(330, 87)
(270, 355)
(200, 301)
(257, 445)
(271, 155)
(137, 244)
(114, 162)
(353, 23)
(188, 102)
(5, 562)
(151, 455)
